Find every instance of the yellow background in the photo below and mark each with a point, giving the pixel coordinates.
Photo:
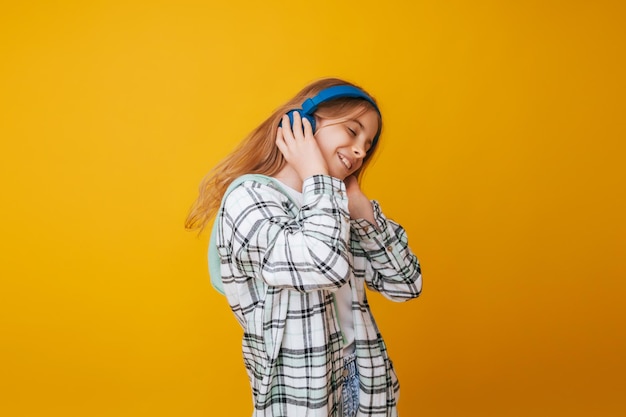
(502, 155)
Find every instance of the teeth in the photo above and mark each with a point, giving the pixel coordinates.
(345, 161)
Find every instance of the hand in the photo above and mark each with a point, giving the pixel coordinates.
(299, 147)
(359, 206)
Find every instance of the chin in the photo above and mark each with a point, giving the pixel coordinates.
(342, 176)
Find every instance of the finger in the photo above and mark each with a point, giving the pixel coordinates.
(308, 128)
(286, 128)
(280, 141)
(279, 134)
(297, 126)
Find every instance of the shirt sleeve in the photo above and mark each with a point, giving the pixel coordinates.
(306, 252)
(392, 268)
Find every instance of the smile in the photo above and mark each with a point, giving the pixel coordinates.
(345, 161)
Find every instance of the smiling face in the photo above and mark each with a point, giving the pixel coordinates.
(344, 142)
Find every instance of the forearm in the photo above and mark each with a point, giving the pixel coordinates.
(305, 252)
(394, 269)
(363, 210)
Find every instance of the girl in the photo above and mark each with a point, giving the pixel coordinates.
(294, 243)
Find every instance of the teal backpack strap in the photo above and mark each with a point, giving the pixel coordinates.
(214, 260)
(214, 256)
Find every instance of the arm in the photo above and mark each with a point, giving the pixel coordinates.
(304, 253)
(391, 269)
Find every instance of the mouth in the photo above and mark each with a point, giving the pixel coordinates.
(345, 161)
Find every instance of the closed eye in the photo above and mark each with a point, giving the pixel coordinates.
(352, 131)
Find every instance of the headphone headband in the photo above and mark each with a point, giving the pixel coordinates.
(339, 91)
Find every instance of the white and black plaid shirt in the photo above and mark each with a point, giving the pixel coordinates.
(280, 266)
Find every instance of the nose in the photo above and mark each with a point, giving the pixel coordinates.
(358, 150)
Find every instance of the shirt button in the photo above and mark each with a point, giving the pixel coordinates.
(366, 228)
(389, 248)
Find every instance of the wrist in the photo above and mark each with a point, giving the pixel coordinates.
(361, 209)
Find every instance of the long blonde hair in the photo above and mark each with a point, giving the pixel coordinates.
(258, 153)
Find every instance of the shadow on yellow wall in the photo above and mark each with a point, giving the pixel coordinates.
(502, 156)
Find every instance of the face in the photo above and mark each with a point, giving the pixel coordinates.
(344, 142)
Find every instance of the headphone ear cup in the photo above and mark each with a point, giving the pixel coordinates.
(309, 117)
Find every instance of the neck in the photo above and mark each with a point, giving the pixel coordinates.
(288, 176)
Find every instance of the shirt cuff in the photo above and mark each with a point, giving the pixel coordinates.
(323, 184)
(366, 230)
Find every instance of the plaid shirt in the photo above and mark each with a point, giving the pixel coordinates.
(280, 266)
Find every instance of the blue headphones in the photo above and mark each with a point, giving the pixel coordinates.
(340, 91)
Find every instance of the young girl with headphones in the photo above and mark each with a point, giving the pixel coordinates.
(293, 243)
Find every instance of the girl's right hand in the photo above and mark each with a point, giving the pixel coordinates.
(299, 147)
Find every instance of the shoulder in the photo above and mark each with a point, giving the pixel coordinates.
(253, 190)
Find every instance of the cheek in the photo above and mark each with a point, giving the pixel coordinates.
(324, 143)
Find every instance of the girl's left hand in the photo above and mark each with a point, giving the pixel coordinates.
(359, 206)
